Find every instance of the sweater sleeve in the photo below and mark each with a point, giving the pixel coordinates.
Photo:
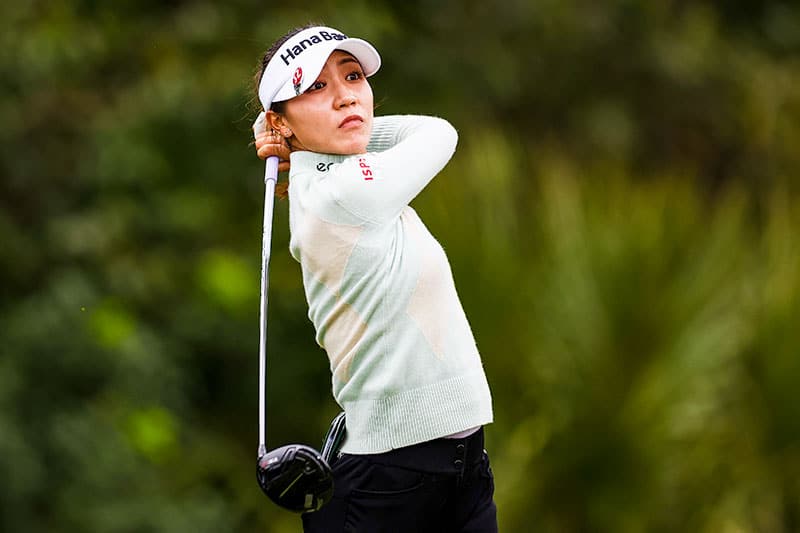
(406, 152)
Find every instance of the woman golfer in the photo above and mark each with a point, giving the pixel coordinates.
(380, 293)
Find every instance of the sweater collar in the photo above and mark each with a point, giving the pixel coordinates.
(312, 160)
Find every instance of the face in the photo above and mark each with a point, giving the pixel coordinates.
(334, 116)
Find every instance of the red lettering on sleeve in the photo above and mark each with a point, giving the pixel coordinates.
(365, 170)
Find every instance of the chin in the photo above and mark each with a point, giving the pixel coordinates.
(357, 144)
(353, 148)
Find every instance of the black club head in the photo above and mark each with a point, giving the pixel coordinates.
(295, 477)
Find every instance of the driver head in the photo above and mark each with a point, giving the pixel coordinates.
(295, 477)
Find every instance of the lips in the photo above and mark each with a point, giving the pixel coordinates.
(351, 121)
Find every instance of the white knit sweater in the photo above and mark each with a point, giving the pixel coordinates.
(380, 291)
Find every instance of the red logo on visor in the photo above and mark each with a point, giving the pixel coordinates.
(297, 79)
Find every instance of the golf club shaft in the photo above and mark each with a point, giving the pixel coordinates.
(270, 178)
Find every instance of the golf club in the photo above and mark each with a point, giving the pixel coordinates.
(294, 476)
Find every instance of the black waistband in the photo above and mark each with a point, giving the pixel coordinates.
(439, 455)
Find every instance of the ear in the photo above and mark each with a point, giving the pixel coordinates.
(276, 121)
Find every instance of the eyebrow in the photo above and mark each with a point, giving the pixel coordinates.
(348, 59)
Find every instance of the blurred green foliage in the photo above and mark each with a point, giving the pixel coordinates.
(621, 217)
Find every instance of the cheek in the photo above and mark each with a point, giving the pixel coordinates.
(302, 117)
(305, 125)
(368, 98)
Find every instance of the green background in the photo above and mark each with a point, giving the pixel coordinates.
(621, 218)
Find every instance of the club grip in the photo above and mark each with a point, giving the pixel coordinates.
(271, 171)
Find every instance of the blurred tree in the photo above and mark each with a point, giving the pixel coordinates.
(620, 216)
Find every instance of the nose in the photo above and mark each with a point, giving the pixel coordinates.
(346, 98)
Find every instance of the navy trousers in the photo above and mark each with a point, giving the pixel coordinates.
(444, 485)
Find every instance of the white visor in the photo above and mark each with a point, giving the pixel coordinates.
(296, 65)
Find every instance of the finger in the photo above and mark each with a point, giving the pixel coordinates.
(265, 151)
(279, 149)
(265, 140)
(283, 152)
(270, 136)
(283, 166)
(269, 149)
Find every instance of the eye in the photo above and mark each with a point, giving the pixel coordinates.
(355, 75)
(316, 86)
